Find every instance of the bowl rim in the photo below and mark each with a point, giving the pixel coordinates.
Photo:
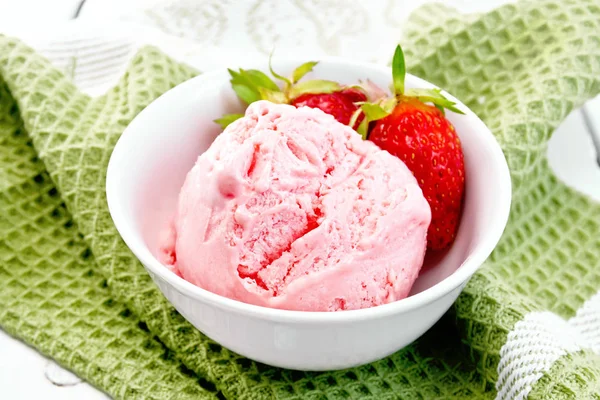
(156, 269)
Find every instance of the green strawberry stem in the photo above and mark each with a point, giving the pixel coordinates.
(227, 119)
(286, 81)
(303, 70)
(433, 96)
(398, 71)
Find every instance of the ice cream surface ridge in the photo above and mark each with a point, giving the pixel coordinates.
(291, 209)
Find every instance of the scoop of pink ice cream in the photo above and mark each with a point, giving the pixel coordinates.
(290, 209)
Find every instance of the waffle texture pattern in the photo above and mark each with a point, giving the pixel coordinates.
(71, 288)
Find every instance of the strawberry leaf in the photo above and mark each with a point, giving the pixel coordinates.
(247, 94)
(247, 84)
(274, 96)
(233, 73)
(389, 104)
(435, 97)
(454, 109)
(303, 70)
(227, 119)
(287, 82)
(259, 79)
(363, 129)
(243, 86)
(314, 86)
(398, 71)
(354, 117)
(239, 78)
(373, 112)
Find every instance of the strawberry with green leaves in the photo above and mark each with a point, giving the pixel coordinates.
(419, 134)
(332, 98)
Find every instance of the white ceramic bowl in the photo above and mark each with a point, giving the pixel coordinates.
(148, 167)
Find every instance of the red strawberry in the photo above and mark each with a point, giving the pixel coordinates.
(339, 104)
(328, 96)
(421, 136)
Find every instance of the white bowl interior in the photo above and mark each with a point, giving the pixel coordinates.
(160, 146)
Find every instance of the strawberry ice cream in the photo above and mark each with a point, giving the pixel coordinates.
(291, 209)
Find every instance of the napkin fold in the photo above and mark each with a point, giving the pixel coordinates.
(526, 326)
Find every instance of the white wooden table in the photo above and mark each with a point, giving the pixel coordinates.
(25, 374)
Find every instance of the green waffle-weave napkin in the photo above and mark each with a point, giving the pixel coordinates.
(71, 288)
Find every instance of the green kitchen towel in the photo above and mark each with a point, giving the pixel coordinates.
(51, 294)
(526, 325)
